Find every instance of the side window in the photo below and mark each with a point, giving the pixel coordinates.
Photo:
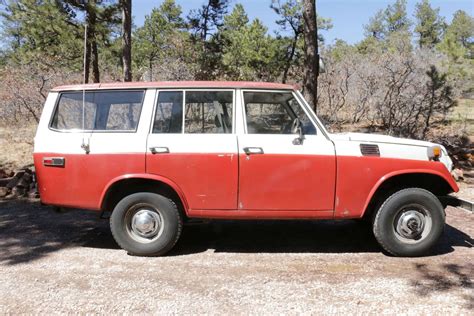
(274, 113)
(121, 110)
(308, 127)
(169, 112)
(208, 112)
(101, 110)
(69, 112)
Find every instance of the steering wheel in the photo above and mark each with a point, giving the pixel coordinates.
(286, 128)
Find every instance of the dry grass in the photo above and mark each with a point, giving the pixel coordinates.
(463, 115)
(16, 146)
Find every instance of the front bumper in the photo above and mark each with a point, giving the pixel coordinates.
(457, 202)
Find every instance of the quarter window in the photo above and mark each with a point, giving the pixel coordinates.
(98, 110)
(274, 113)
(208, 112)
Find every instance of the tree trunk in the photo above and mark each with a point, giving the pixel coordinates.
(87, 59)
(311, 60)
(290, 59)
(95, 62)
(151, 68)
(91, 19)
(127, 39)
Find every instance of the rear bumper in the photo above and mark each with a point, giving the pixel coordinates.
(457, 202)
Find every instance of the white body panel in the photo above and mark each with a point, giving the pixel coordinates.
(347, 144)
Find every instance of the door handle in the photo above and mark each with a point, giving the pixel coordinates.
(159, 150)
(253, 150)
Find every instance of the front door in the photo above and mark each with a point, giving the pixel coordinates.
(276, 173)
(192, 143)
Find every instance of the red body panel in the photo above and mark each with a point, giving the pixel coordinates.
(359, 177)
(209, 181)
(287, 182)
(212, 192)
(81, 181)
(178, 85)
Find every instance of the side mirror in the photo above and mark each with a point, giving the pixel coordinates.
(296, 128)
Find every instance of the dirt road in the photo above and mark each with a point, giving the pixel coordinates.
(66, 263)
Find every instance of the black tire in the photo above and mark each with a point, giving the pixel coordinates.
(394, 216)
(168, 228)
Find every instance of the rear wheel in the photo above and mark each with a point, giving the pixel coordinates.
(146, 224)
(409, 222)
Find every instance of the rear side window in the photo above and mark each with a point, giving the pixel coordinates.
(208, 112)
(101, 111)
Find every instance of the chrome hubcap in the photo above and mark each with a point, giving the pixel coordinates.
(412, 224)
(145, 224)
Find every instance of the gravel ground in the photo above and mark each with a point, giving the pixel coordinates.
(69, 263)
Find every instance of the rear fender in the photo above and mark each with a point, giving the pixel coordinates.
(145, 176)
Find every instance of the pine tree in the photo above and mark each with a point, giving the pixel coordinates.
(126, 6)
(291, 13)
(99, 18)
(458, 41)
(376, 26)
(156, 38)
(462, 28)
(311, 57)
(204, 24)
(430, 24)
(396, 17)
(236, 20)
(44, 33)
(248, 53)
(292, 46)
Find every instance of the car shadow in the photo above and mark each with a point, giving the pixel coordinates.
(277, 237)
(324, 236)
(30, 231)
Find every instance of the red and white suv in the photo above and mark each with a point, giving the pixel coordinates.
(158, 154)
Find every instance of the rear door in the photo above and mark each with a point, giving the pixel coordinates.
(85, 140)
(276, 173)
(192, 143)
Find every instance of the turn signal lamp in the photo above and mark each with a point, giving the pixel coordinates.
(434, 153)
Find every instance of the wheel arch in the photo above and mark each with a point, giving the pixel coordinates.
(431, 180)
(128, 184)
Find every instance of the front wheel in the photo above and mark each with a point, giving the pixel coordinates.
(146, 224)
(409, 222)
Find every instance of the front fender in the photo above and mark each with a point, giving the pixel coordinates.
(359, 178)
(446, 177)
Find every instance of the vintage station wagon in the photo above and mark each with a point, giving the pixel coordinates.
(157, 154)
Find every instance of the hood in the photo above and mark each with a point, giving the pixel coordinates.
(377, 138)
(391, 146)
